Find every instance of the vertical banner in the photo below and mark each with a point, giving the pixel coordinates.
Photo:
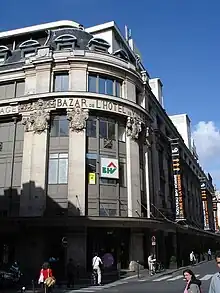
(178, 196)
(205, 207)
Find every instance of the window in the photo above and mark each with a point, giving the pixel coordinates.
(59, 126)
(11, 89)
(91, 166)
(142, 179)
(66, 42)
(29, 48)
(58, 169)
(91, 127)
(107, 210)
(107, 129)
(121, 54)
(121, 132)
(122, 173)
(61, 82)
(104, 85)
(98, 44)
(4, 53)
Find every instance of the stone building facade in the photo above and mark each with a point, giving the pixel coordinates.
(85, 149)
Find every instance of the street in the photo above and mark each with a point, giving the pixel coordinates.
(166, 284)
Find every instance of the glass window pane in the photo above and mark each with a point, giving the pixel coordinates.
(54, 131)
(91, 127)
(91, 165)
(91, 156)
(121, 133)
(63, 155)
(10, 90)
(64, 126)
(54, 156)
(102, 85)
(111, 130)
(53, 171)
(63, 171)
(92, 83)
(122, 174)
(103, 129)
(65, 83)
(2, 91)
(20, 88)
(118, 88)
(61, 82)
(109, 87)
(142, 179)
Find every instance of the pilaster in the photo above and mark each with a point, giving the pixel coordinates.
(133, 167)
(33, 176)
(77, 160)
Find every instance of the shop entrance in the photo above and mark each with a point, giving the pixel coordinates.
(112, 244)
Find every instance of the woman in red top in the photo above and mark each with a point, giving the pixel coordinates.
(45, 273)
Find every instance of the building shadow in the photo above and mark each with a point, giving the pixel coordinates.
(33, 226)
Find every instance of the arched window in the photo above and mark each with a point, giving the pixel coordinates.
(4, 53)
(29, 48)
(121, 54)
(98, 44)
(66, 42)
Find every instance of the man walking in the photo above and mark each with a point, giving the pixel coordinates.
(192, 258)
(96, 263)
(215, 282)
(209, 254)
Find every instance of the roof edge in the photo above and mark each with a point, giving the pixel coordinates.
(38, 27)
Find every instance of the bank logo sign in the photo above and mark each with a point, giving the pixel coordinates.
(109, 168)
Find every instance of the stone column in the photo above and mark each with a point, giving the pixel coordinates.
(78, 77)
(43, 78)
(77, 160)
(33, 176)
(133, 167)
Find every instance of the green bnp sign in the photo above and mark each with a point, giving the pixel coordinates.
(109, 168)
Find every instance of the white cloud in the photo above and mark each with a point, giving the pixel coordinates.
(207, 141)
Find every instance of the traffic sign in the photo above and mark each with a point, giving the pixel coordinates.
(64, 242)
(153, 240)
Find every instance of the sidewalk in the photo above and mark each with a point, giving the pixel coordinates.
(127, 276)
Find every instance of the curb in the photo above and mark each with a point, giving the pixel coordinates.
(166, 273)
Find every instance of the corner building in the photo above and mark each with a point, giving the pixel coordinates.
(73, 113)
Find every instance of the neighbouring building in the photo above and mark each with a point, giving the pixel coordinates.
(86, 152)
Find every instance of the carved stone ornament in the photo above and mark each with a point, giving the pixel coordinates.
(37, 121)
(77, 118)
(133, 127)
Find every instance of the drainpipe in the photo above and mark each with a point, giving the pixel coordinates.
(12, 162)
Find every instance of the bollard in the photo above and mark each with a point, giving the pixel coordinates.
(138, 269)
(33, 287)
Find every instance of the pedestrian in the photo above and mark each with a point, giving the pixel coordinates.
(46, 278)
(151, 264)
(192, 258)
(193, 285)
(96, 266)
(215, 281)
(209, 254)
(70, 273)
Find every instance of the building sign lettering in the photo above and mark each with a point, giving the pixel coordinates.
(109, 168)
(7, 110)
(96, 104)
(178, 196)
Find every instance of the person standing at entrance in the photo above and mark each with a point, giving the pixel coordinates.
(96, 265)
(209, 254)
(192, 258)
(215, 282)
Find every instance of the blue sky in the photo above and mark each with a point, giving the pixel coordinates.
(179, 42)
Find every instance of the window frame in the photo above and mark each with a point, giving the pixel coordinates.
(60, 73)
(14, 83)
(58, 118)
(60, 156)
(107, 121)
(122, 161)
(116, 82)
(66, 39)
